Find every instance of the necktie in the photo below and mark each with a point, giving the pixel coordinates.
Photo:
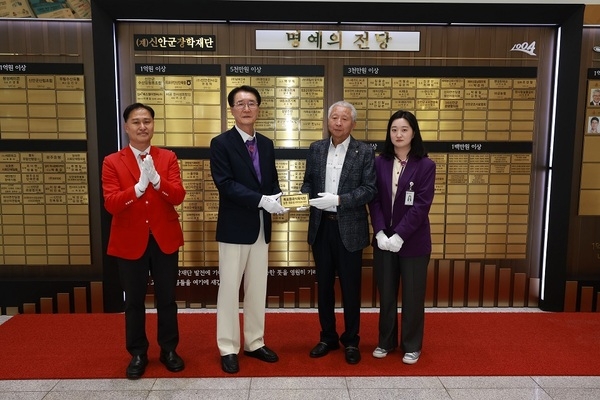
(253, 151)
(141, 160)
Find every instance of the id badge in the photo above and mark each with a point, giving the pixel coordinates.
(409, 198)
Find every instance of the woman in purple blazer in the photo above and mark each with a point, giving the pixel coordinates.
(402, 241)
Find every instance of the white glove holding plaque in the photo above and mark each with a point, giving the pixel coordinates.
(326, 200)
(142, 183)
(383, 242)
(150, 171)
(271, 204)
(396, 243)
(303, 208)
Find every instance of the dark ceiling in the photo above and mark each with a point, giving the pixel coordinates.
(337, 12)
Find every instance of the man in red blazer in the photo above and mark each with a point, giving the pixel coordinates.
(141, 186)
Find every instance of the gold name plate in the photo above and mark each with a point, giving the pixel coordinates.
(294, 200)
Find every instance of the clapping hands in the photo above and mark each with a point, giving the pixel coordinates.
(149, 170)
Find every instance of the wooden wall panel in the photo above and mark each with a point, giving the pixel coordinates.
(304, 297)
(474, 288)
(366, 293)
(149, 302)
(534, 292)
(29, 308)
(63, 301)
(97, 298)
(289, 299)
(570, 296)
(489, 286)
(458, 284)
(443, 284)
(519, 290)
(587, 299)
(504, 280)
(430, 290)
(273, 301)
(46, 305)
(80, 298)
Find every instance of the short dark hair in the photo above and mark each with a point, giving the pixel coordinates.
(594, 119)
(135, 106)
(417, 148)
(243, 88)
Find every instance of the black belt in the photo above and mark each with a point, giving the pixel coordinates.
(330, 215)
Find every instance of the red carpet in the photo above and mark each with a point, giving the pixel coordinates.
(63, 346)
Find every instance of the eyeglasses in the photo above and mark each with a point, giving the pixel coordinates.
(252, 105)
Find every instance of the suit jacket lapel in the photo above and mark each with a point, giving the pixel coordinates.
(130, 162)
(349, 160)
(323, 150)
(405, 178)
(386, 176)
(242, 150)
(262, 159)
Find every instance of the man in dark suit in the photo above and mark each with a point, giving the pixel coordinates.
(340, 181)
(142, 186)
(242, 163)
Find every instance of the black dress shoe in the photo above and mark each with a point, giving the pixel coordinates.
(352, 355)
(264, 354)
(229, 363)
(322, 349)
(137, 366)
(172, 361)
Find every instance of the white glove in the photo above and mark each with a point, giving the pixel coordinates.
(396, 243)
(303, 208)
(383, 242)
(142, 183)
(150, 171)
(271, 204)
(326, 200)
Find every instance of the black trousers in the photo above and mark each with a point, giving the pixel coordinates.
(134, 280)
(389, 268)
(331, 257)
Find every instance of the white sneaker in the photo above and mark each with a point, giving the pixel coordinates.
(379, 352)
(411, 358)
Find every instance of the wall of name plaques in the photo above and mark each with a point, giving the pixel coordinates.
(44, 207)
(188, 114)
(589, 186)
(477, 124)
(43, 184)
(484, 118)
(482, 95)
(292, 108)
(42, 101)
(186, 100)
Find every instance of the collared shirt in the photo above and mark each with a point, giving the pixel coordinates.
(396, 174)
(137, 154)
(245, 136)
(335, 162)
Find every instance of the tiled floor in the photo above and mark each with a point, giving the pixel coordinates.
(354, 388)
(423, 388)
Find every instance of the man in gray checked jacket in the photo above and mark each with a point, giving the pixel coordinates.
(340, 181)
